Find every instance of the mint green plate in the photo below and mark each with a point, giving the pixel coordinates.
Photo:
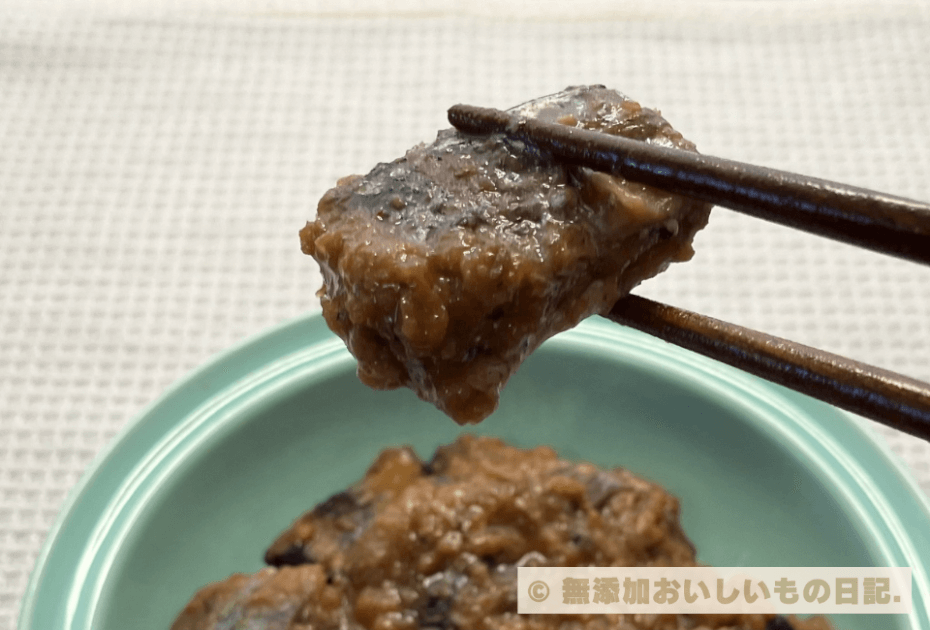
(198, 486)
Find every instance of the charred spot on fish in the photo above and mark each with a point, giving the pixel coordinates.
(294, 555)
(778, 623)
(435, 612)
(339, 504)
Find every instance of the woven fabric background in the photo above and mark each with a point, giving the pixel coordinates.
(157, 160)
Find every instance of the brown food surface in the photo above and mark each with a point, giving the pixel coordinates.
(445, 269)
(436, 546)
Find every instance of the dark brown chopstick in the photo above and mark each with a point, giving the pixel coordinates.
(884, 223)
(876, 221)
(891, 399)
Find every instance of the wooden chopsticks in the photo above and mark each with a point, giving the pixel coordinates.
(892, 399)
(869, 219)
(883, 223)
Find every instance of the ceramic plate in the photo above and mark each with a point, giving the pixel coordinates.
(202, 482)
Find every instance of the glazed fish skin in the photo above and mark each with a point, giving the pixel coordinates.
(445, 269)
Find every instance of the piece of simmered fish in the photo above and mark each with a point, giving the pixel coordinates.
(443, 270)
(433, 545)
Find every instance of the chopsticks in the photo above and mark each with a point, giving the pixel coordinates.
(865, 218)
(894, 400)
(883, 223)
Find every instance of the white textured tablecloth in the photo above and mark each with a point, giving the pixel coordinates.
(156, 162)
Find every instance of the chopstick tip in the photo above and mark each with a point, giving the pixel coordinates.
(478, 120)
